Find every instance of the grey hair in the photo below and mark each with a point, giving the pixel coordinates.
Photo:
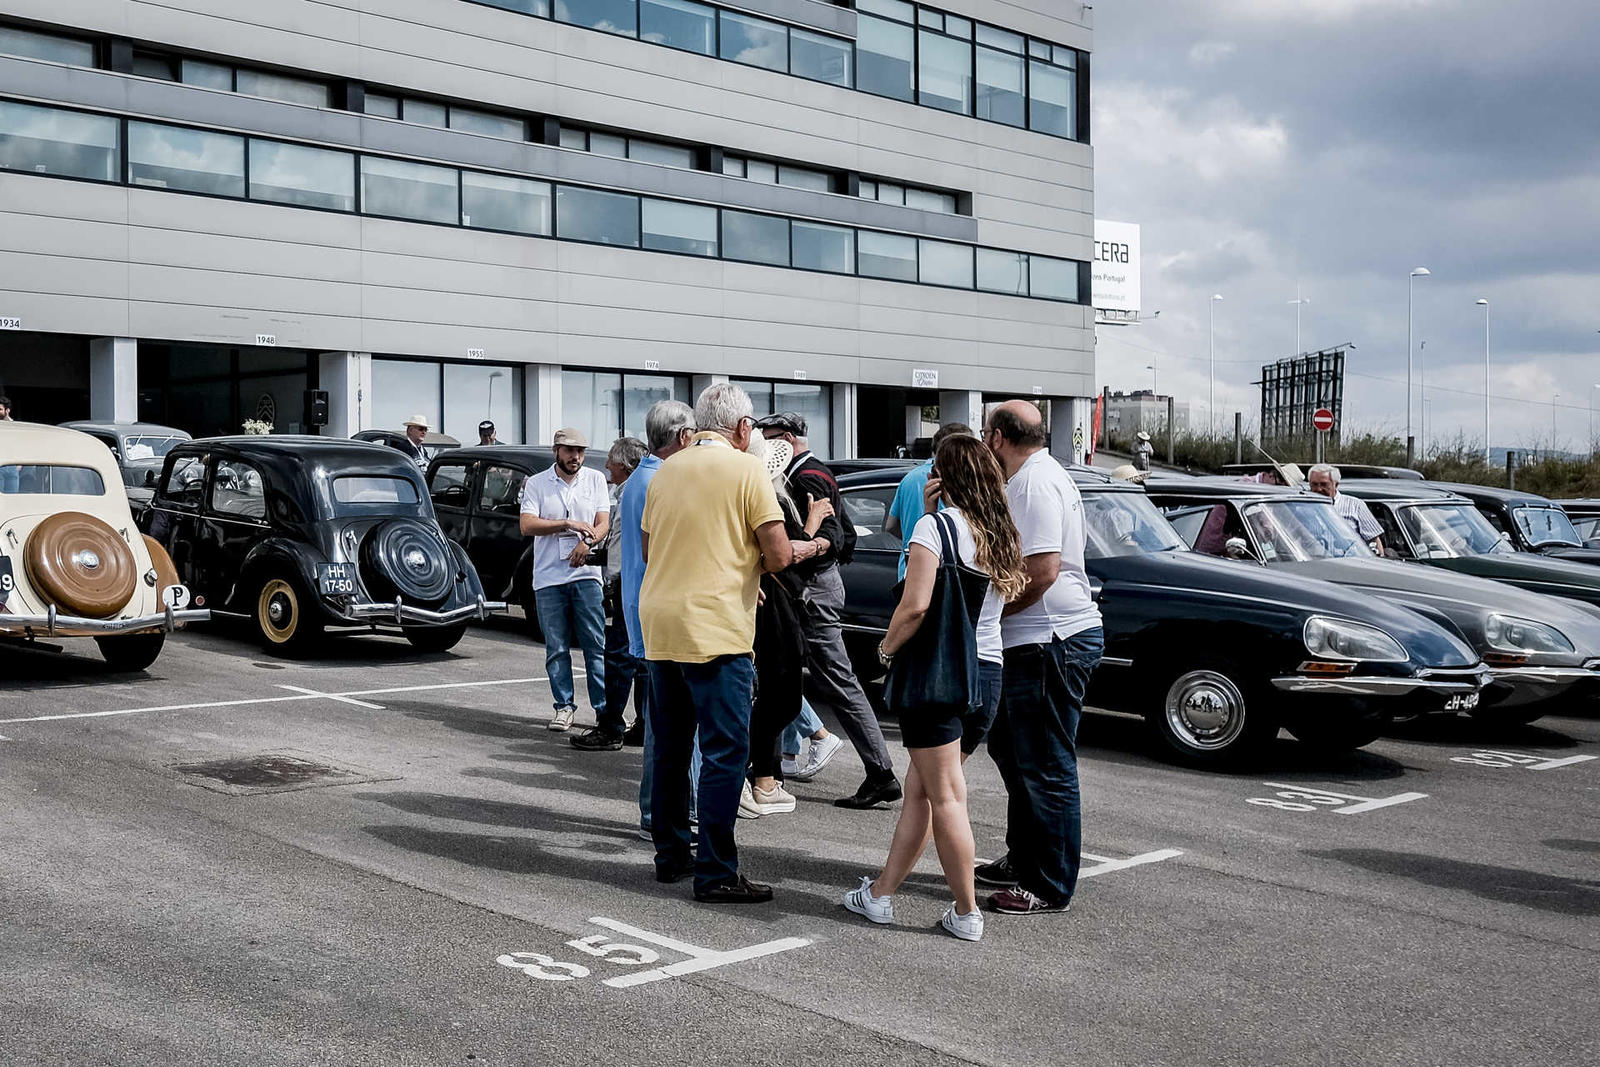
(721, 406)
(1325, 468)
(665, 420)
(627, 451)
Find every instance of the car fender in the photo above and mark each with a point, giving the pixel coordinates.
(471, 587)
(274, 555)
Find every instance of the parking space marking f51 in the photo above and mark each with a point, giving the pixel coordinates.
(1313, 798)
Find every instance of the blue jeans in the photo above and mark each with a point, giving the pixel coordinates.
(714, 698)
(802, 728)
(1035, 745)
(568, 614)
(621, 670)
(976, 726)
(647, 779)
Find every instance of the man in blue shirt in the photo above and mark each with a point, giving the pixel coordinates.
(668, 427)
(907, 506)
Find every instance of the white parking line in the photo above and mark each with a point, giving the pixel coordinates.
(333, 696)
(1105, 864)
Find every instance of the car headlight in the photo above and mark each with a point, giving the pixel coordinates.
(1511, 634)
(1327, 638)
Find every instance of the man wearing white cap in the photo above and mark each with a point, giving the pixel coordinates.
(566, 510)
(416, 428)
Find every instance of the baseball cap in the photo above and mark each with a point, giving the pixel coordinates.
(787, 421)
(569, 437)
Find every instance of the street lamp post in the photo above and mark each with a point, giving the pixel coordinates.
(1592, 388)
(1211, 366)
(1555, 403)
(1298, 302)
(1411, 291)
(1422, 395)
(1485, 305)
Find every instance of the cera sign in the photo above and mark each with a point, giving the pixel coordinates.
(1116, 266)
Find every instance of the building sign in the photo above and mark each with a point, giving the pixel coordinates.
(1116, 271)
(924, 379)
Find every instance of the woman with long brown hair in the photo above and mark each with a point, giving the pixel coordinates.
(968, 481)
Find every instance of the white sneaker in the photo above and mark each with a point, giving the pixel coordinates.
(874, 909)
(748, 808)
(791, 767)
(967, 927)
(562, 722)
(821, 752)
(778, 802)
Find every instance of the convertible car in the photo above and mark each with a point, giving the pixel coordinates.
(299, 533)
(1533, 523)
(1537, 647)
(1215, 657)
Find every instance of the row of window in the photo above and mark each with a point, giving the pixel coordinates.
(902, 50)
(77, 144)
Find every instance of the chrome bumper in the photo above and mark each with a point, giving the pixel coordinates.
(401, 613)
(1444, 684)
(54, 624)
(1545, 676)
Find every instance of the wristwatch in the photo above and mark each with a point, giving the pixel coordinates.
(885, 658)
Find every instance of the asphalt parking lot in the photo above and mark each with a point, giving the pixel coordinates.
(452, 883)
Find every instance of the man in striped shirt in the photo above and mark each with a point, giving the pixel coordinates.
(1324, 479)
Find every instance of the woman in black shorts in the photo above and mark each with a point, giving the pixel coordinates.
(969, 483)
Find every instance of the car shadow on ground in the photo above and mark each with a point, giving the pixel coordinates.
(1503, 885)
(74, 664)
(1454, 731)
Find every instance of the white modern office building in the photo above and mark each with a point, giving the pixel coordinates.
(547, 212)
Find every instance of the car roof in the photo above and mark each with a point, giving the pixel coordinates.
(152, 428)
(335, 450)
(41, 443)
(544, 454)
(1087, 478)
(1223, 488)
(1396, 490)
(1582, 503)
(1495, 493)
(1351, 470)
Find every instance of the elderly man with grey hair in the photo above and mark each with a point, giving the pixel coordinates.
(1324, 478)
(711, 526)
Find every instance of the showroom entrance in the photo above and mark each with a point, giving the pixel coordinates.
(210, 390)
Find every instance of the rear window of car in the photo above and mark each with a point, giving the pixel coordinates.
(373, 489)
(50, 479)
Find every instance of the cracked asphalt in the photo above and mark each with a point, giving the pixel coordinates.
(1315, 910)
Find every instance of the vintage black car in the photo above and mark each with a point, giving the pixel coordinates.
(476, 495)
(140, 447)
(1538, 647)
(1534, 523)
(433, 442)
(1585, 516)
(300, 533)
(1215, 657)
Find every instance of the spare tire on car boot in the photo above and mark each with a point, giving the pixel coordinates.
(80, 564)
(405, 558)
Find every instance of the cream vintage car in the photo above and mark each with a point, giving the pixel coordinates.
(72, 562)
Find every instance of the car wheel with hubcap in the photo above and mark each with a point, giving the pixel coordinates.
(131, 652)
(285, 616)
(1208, 717)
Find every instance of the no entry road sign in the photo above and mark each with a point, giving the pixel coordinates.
(1322, 419)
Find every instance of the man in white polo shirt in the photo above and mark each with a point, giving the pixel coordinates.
(565, 509)
(1053, 641)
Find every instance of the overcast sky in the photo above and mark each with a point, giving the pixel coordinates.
(1337, 144)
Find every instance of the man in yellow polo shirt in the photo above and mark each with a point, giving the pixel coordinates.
(711, 524)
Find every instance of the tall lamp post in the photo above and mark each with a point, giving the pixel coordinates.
(1411, 292)
(1555, 403)
(1484, 304)
(1298, 302)
(1211, 366)
(1592, 388)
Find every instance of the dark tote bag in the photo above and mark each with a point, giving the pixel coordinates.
(938, 667)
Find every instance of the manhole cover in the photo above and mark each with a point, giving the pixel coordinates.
(273, 773)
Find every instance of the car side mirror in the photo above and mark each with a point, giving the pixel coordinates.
(1237, 548)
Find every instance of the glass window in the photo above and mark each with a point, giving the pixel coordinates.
(944, 73)
(884, 52)
(818, 247)
(1039, 49)
(1003, 272)
(48, 46)
(868, 190)
(426, 113)
(495, 202)
(928, 200)
(612, 16)
(956, 26)
(541, 8)
(281, 87)
(447, 485)
(679, 24)
(590, 215)
(155, 65)
(895, 9)
(759, 170)
(502, 490)
(887, 255)
(805, 178)
(308, 177)
(608, 144)
(754, 41)
(572, 137)
(477, 391)
(591, 403)
(673, 227)
(373, 489)
(760, 393)
(815, 402)
(487, 123)
(48, 479)
(409, 190)
(1050, 96)
(640, 391)
(42, 140)
(819, 57)
(890, 193)
(733, 166)
(930, 18)
(1053, 279)
(195, 161)
(1000, 88)
(1001, 39)
(943, 263)
(206, 75)
(402, 388)
(237, 490)
(384, 106)
(755, 238)
(666, 155)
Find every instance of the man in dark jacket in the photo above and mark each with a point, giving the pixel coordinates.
(831, 682)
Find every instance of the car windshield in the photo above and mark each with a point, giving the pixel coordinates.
(1126, 524)
(1301, 530)
(377, 494)
(1546, 526)
(1450, 531)
(148, 446)
(1588, 527)
(49, 479)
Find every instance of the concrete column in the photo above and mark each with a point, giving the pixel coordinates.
(114, 379)
(699, 382)
(845, 438)
(347, 377)
(541, 407)
(961, 405)
(1071, 421)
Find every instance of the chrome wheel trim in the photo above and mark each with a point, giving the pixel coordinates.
(1205, 710)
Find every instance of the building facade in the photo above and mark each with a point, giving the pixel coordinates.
(545, 212)
(1128, 413)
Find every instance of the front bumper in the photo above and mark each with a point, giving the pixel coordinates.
(401, 613)
(1440, 682)
(55, 624)
(1527, 685)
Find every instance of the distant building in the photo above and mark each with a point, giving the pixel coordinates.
(1128, 413)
